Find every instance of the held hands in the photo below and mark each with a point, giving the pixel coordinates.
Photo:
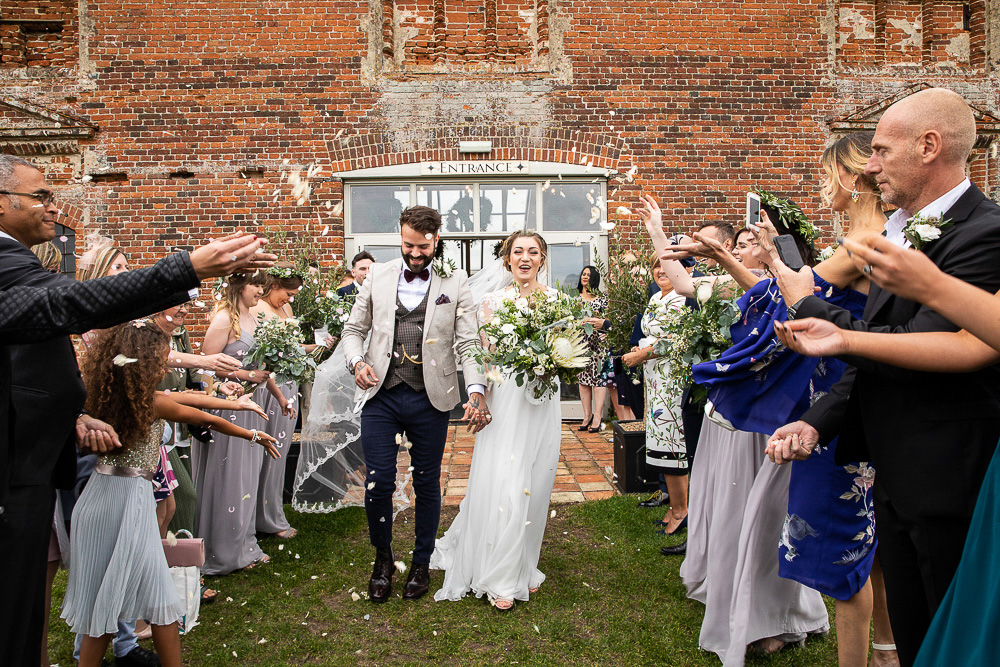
(792, 442)
(812, 337)
(364, 375)
(94, 436)
(633, 358)
(476, 413)
(230, 388)
(905, 272)
(236, 252)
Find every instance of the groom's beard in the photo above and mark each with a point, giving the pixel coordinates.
(417, 265)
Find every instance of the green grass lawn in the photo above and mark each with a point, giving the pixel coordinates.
(610, 598)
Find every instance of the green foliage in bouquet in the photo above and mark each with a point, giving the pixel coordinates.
(626, 283)
(316, 305)
(694, 336)
(278, 347)
(536, 339)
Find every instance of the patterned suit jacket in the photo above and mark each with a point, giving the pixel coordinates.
(449, 324)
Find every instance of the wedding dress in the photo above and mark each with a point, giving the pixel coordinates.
(492, 547)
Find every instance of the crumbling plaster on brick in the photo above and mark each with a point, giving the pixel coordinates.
(409, 110)
(861, 26)
(375, 67)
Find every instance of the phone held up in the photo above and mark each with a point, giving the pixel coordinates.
(788, 251)
(753, 210)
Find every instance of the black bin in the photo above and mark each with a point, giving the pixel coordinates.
(631, 475)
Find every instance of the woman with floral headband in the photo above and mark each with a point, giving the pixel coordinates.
(283, 282)
(114, 522)
(225, 479)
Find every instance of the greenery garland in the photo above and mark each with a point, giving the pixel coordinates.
(791, 215)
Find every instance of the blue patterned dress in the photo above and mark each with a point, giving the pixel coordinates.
(828, 539)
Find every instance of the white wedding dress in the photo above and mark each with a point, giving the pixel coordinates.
(493, 545)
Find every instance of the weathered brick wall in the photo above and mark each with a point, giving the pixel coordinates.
(200, 103)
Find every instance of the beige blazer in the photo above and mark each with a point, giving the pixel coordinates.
(451, 321)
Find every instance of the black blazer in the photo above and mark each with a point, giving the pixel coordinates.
(46, 388)
(348, 290)
(930, 436)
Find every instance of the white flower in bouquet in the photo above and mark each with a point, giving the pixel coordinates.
(569, 349)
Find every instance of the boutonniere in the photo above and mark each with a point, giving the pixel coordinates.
(444, 267)
(920, 231)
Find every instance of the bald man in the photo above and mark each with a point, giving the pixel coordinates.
(930, 436)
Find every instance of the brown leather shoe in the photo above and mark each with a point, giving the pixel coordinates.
(380, 585)
(417, 582)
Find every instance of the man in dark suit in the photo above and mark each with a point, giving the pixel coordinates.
(360, 265)
(929, 436)
(46, 391)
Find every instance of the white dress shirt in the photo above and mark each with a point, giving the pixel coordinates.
(937, 208)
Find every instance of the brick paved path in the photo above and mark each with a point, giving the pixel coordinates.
(584, 473)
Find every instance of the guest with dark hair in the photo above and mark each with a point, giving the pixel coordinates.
(360, 265)
(47, 393)
(597, 376)
(722, 232)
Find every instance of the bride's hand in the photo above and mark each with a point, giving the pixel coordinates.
(476, 413)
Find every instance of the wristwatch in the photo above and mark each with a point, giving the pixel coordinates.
(794, 308)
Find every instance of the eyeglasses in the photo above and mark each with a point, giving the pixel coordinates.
(46, 198)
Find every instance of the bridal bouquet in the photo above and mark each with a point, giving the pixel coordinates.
(278, 347)
(694, 336)
(537, 339)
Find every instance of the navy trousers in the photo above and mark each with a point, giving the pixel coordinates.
(388, 413)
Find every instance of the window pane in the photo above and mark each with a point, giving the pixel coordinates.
(506, 207)
(453, 202)
(566, 261)
(375, 209)
(568, 207)
(383, 253)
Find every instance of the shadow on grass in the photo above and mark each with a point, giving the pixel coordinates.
(610, 597)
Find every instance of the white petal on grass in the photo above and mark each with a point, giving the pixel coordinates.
(400, 565)
(552, 514)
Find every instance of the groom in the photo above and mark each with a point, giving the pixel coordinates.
(416, 313)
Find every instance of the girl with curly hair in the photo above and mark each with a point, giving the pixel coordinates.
(119, 570)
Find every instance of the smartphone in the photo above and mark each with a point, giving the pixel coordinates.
(788, 251)
(753, 210)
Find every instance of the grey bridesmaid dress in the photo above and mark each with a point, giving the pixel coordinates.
(270, 504)
(226, 472)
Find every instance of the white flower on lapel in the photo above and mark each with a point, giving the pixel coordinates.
(920, 231)
(444, 267)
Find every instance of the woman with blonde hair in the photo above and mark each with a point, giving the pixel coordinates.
(226, 479)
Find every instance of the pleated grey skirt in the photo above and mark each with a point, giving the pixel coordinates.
(118, 569)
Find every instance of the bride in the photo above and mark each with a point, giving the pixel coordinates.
(492, 547)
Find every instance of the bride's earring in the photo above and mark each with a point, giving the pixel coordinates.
(855, 195)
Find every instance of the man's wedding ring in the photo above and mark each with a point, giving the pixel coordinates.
(866, 269)
(233, 258)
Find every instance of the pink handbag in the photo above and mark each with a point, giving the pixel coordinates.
(185, 551)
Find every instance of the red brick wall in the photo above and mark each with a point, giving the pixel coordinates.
(706, 98)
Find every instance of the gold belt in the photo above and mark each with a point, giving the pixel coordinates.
(122, 471)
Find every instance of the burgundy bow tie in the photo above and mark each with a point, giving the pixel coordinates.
(410, 275)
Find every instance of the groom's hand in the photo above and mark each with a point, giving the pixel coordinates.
(364, 375)
(476, 413)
